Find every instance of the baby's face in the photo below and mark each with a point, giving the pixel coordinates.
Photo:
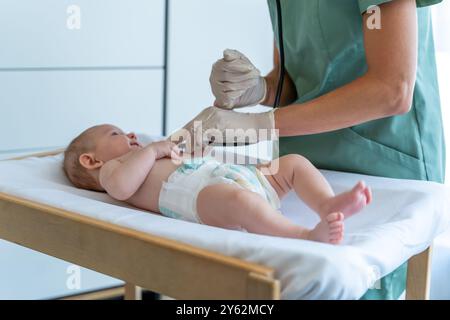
(111, 142)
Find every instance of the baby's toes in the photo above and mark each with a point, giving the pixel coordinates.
(336, 231)
(334, 217)
(368, 193)
(335, 225)
(336, 240)
(336, 235)
(359, 186)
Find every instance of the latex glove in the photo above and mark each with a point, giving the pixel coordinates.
(215, 126)
(235, 82)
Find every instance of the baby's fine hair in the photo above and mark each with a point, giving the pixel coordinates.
(77, 174)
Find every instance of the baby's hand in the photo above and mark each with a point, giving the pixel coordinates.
(166, 149)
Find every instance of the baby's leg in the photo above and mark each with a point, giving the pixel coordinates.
(296, 172)
(231, 207)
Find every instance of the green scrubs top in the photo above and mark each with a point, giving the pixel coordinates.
(324, 50)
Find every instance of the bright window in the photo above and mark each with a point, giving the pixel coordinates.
(441, 22)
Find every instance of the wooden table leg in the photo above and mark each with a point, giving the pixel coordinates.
(132, 292)
(418, 278)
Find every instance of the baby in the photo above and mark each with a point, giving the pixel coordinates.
(202, 190)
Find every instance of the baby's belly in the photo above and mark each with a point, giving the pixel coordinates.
(147, 195)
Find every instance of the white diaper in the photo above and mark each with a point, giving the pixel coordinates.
(178, 196)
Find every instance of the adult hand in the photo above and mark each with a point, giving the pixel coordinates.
(215, 126)
(235, 82)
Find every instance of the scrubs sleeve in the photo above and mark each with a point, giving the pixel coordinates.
(365, 4)
(425, 3)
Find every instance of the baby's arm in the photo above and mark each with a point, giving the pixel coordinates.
(122, 177)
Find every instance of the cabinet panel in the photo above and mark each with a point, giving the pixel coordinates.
(27, 274)
(45, 109)
(115, 33)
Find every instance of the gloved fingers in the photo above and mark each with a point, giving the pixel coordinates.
(233, 77)
(224, 104)
(214, 137)
(234, 60)
(236, 66)
(197, 148)
(226, 86)
(227, 97)
(193, 142)
(178, 137)
(176, 149)
(228, 101)
(176, 156)
(181, 137)
(184, 136)
(224, 90)
(237, 86)
(235, 138)
(221, 91)
(226, 76)
(207, 150)
(232, 55)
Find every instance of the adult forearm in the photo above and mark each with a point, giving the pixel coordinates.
(365, 99)
(385, 90)
(288, 94)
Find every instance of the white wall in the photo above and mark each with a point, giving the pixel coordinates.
(199, 32)
(441, 27)
(440, 276)
(56, 81)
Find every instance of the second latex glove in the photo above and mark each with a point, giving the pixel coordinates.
(235, 82)
(218, 126)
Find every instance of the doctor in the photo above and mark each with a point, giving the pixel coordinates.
(360, 92)
(359, 95)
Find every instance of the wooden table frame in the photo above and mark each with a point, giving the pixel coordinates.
(143, 260)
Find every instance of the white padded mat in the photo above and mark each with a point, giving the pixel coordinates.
(403, 219)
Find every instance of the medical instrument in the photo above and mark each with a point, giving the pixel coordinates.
(276, 103)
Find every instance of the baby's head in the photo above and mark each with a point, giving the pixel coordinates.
(87, 153)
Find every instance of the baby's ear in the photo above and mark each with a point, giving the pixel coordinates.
(88, 161)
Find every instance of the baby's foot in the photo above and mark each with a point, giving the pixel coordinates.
(349, 202)
(329, 230)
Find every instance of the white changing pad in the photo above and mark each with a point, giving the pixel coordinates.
(402, 221)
